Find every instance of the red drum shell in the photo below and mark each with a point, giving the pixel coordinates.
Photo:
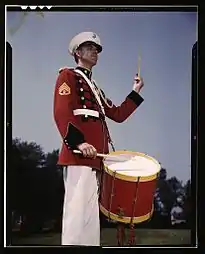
(127, 200)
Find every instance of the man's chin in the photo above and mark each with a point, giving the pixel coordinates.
(94, 63)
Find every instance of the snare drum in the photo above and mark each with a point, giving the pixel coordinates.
(128, 186)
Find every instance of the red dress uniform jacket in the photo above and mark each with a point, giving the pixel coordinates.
(72, 92)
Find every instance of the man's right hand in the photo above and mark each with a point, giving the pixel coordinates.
(87, 150)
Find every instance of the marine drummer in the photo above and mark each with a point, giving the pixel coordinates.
(80, 108)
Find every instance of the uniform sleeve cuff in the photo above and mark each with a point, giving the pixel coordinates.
(74, 137)
(136, 98)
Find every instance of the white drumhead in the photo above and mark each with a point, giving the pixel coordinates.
(132, 165)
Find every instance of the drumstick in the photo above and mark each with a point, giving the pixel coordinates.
(138, 70)
(108, 156)
(98, 154)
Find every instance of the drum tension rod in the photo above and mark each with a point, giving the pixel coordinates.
(112, 195)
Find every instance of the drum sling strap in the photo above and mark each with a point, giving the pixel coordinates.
(92, 86)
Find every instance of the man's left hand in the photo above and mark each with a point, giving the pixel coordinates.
(138, 83)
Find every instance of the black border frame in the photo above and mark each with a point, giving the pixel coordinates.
(195, 124)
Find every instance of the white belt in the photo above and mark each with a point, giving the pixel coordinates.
(88, 112)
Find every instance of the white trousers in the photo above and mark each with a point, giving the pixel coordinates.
(81, 224)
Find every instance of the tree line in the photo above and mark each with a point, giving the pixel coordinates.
(35, 191)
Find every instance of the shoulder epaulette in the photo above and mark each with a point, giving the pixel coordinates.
(65, 68)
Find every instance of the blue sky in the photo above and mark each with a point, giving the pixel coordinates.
(160, 127)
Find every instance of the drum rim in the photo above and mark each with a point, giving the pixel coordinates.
(134, 178)
(126, 219)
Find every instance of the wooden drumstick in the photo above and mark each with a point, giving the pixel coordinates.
(98, 154)
(138, 68)
(108, 156)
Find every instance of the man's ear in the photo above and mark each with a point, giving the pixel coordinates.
(77, 52)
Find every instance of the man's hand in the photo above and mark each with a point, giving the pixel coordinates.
(138, 84)
(87, 150)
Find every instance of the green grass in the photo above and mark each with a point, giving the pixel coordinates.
(109, 237)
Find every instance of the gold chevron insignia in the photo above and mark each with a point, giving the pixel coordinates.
(64, 89)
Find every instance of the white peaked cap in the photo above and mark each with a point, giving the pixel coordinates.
(84, 37)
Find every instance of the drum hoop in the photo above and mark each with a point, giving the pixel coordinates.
(133, 178)
(125, 219)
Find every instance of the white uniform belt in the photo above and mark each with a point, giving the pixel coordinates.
(88, 112)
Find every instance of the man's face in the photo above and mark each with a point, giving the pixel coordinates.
(88, 53)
